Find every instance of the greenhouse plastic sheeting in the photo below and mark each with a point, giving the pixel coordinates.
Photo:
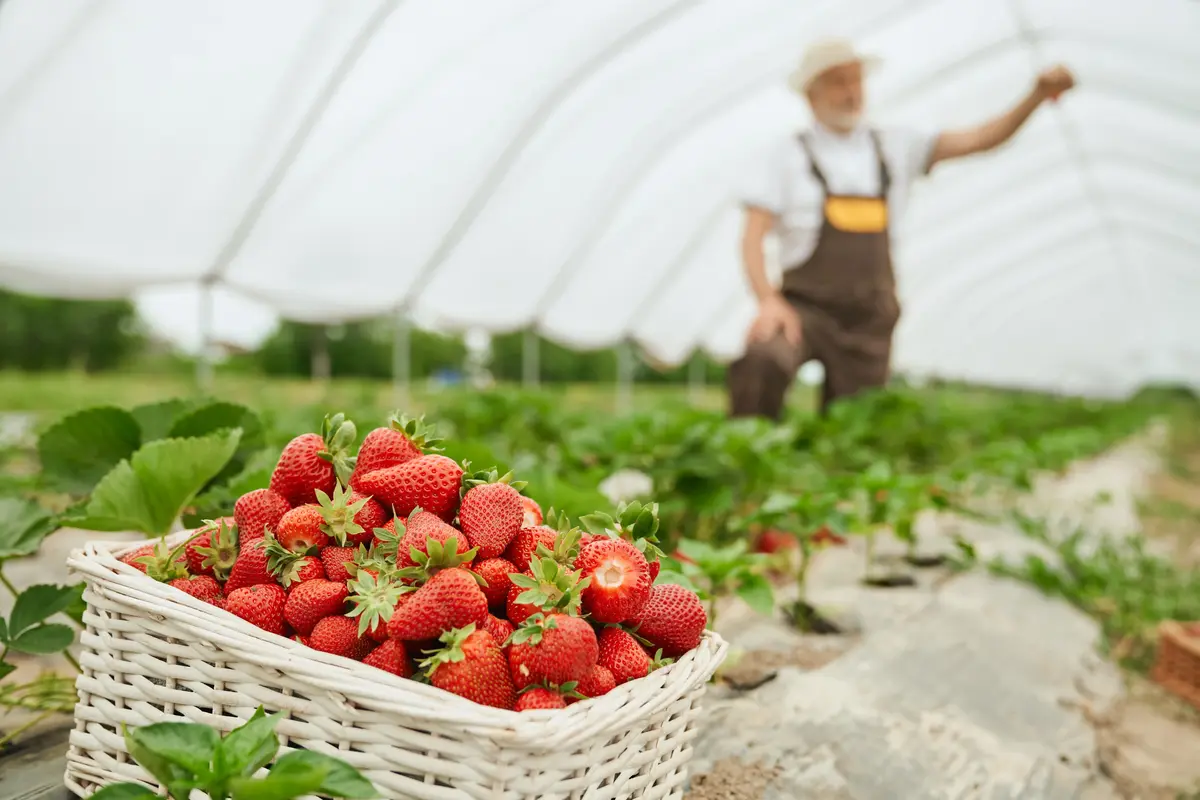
(575, 166)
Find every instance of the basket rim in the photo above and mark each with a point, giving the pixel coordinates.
(539, 730)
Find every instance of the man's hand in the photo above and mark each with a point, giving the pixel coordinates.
(776, 315)
(1053, 82)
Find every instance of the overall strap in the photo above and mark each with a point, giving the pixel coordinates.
(885, 175)
(812, 161)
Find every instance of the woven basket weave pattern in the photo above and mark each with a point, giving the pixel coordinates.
(151, 653)
(1177, 662)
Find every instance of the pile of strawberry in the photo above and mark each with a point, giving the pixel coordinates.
(405, 560)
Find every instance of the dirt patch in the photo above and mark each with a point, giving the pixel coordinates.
(756, 667)
(731, 779)
(1148, 745)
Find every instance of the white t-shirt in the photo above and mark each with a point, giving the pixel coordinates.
(784, 183)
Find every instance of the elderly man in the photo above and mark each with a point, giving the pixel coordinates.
(831, 193)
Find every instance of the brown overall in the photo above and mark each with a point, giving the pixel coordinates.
(846, 297)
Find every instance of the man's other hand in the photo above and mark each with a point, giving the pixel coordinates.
(1053, 82)
(776, 315)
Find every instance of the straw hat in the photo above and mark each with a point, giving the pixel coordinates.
(826, 54)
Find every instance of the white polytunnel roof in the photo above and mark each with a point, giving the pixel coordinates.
(575, 166)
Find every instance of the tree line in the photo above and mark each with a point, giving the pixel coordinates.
(45, 334)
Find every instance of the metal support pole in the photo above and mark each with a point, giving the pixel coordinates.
(625, 368)
(530, 365)
(401, 360)
(204, 360)
(321, 368)
(696, 376)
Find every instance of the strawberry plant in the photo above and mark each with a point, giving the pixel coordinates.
(722, 571)
(186, 757)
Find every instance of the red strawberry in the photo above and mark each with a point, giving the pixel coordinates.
(423, 526)
(201, 587)
(451, 599)
(250, 569)
(314, 461)
(260, 605)
(289, 566)
(500, 629)
(597, 682)
(390, 527)
(371, 516)
(672, 619)
(312, 601)
(195, 551)
(622, 655)
(403, 440)
(491, 512)
(335, 560)
(772, 541)
(301, 529)
(135, 558)
(532, 512)
(620, 580)
(215, 551)
(546, 587)
(554, 649)
(824, 536)
(374, 600)
(259, 511)
(538, 699)
(524, 545)
(471, 665)
(655, 568)
(391, 657)
(495, 572)
(430, 482)
(339, 636)
(518, 612)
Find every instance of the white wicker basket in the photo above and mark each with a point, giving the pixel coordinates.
(152, 653)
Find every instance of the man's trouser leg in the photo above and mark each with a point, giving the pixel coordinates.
(848, 372)
(759, 380)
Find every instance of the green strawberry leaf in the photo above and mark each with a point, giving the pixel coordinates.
(756, 591)
(219, 416)
(148, 492)
(43, 640)
(156, 419)
(23, 526)
(123, 791)
(78, 450)
(174, 751)
(248, 748)
(677, 578)
(38, 603)
(304, 772)
(6, 669)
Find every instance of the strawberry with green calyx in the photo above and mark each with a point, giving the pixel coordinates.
(290, 567)
(390, 656)
(635, 522)
(547, 587)
(431, 482)
(552, 648)
(500, 629)
(339, 636)
(525, 544)
(165, 563)
(450, 598)
(311, 601)
(374, 600)
(258, 512)
(195, 561)
(471, 665)
(568, 540)
(490, 512)
(315, 461)
(337, 562)
(386, 539)
(404, 439)
(338, 514)
(423, 527)
(216, 551)
(622, 655)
